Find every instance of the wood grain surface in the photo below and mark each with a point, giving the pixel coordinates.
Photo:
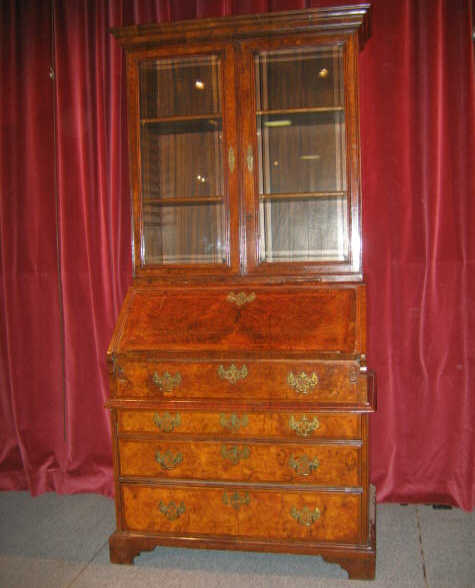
(268, 514)
(284, 425)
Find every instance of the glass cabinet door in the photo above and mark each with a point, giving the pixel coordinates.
(303, 209)
(184, 220)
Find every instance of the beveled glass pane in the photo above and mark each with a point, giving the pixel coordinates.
(182, 161)
(180, 87)
(302, 156)
(300, 78)
(184, 234)
(306, 154)
(312, 229)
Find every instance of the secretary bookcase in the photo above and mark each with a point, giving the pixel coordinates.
(240, 395)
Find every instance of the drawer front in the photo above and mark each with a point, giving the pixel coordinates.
(325, 465)
(272, 514)
(294, 425)
(264, 380)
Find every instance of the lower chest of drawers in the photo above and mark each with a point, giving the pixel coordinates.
(254, 474)
(262, 456)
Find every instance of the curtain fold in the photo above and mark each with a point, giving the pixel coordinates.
(65, 237)
(31, 393)
(418, 132)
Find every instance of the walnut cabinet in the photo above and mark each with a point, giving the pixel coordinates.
(240, 395)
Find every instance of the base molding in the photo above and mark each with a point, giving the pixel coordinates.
(359, 561)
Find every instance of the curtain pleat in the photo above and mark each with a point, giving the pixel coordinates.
(418, 132)
(65, 237)
(31, 391)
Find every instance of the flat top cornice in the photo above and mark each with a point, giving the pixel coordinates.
(340, 19)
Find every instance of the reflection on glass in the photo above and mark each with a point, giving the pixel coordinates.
(302, 167)
(297, 230)
(180, 87)
(184, 234)
(302, 155)
(181, 161)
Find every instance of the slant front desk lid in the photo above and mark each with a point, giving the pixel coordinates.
(242, 321)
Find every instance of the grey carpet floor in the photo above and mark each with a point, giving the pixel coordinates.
(57, 541)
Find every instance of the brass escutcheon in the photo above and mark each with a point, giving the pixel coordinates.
(306, 517)
(305, 427)
(250, 158)
(166, 423)
(302, 382)
(231, 159)
(234, 454)
(354, 374)
(235, 499)
(232, 374)
(241, 298)
(168, 460)
(167, 382)
(233, 422)
(172, 511)
(303, 465)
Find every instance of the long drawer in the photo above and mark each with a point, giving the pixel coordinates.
(318, 464)
(317, 381)
(293, 425)
(232, 511)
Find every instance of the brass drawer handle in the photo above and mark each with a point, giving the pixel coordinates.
(302, 382)
(233, 422)
(232, 374)
(172, 511)
(306, 517)
(167, 382)
(235, 499)
(166, 423)
(305, 426)
(234, 454)
(303, 465)
(168, 460)
(241, 298)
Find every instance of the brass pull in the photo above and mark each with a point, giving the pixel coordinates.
(303, 465)
(234, 454)
(306, 516)
(168, 460)
(250, 158)
(301, 382)
(172, 511)
(241, 298)
(166, 423)
(231, 159)
(235, 499)
(232, 374)
(305, 427)
(167, 382)
(233, 422)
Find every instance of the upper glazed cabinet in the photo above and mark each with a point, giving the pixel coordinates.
(244, 145)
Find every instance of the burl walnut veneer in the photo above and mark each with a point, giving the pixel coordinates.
(240, 395)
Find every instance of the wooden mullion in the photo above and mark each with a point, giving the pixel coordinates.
(308, 110)
(301, 195)
(181, 118)
(184, 200)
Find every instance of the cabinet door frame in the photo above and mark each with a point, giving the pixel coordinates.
(350, 269)
(226, 52)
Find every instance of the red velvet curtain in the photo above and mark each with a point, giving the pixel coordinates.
(65, 237)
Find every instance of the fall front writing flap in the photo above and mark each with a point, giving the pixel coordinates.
(289, 319)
